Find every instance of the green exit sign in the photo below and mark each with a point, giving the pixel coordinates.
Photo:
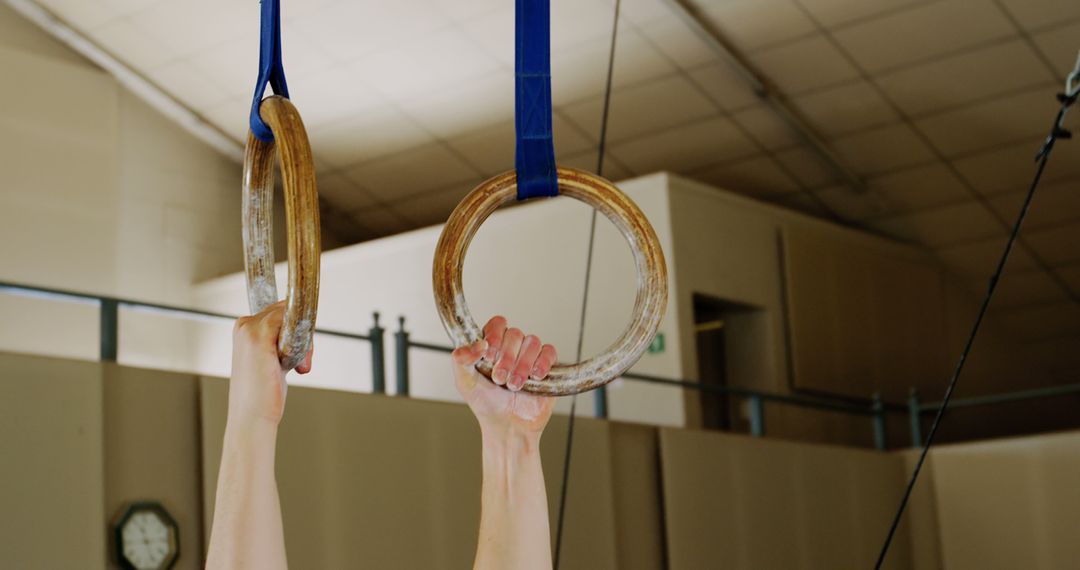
(657, 345)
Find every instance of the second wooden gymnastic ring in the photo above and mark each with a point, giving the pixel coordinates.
(649, 305)
(301, 221)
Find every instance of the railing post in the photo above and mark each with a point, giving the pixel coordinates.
(879, 422)
(915, 417)
(110, 322)
(600, 402)
(401, 346)
(378, 357)
(757, 415)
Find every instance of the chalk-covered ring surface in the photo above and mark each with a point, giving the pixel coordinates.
(649, 306)
(293, 152)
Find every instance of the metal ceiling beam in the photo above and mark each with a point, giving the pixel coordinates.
(765, 91)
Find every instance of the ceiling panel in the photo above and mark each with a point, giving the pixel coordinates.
(1054, 204)
(846, 108)
(1038, 14)
(882, 149)
(919, 187)
(661, 104)
(836, 13)
(687, 147)
(981, 126)
(766, 128)
(951, 81)
(759, 176)
(1057, 245)
(756, 24)
(942, 227)
(979, 258)
(923, 32)
(803, 65)
(400, 175)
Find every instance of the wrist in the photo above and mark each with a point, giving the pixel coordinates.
(509, 439)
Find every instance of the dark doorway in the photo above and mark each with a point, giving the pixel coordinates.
(728, 347)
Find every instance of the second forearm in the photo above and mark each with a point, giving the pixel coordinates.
(247, 528)
(514, 529)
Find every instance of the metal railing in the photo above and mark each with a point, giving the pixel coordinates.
(874, 407)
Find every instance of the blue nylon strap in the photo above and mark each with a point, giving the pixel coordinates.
(270, 69)
(535, 157)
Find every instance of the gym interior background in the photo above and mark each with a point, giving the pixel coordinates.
(822, 286)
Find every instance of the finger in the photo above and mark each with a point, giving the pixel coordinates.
(305, 366)
(530, 349)
(507, 355)
(465, 358)
(470, 354)
(544, 362)
(493, 333)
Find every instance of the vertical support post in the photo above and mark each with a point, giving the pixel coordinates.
(378, 357)
(110, 323)
(757, 415)
(879, 422)
(915, 417)
(600, 402)
(401, 346)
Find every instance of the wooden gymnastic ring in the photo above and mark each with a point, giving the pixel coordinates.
(301, 221)
(631, 222)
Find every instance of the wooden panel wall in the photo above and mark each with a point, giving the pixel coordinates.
(738, 502)
(395, 483)
(1011, 503)
(52, 479)
(862, 320)
(152, 450)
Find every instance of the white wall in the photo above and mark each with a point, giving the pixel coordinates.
(526, 262)
(101, 194)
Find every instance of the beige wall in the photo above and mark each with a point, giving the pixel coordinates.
(102, 194)
(152, 450)
(82, 439)
(353, 491)
(1011, 503)
(736, 502)
(52, 466)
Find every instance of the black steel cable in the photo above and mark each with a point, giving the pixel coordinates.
(585, 294)
(1057, 131)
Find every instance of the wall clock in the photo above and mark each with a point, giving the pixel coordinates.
(147, 537)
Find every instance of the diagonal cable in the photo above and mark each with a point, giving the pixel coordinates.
(1056, 132)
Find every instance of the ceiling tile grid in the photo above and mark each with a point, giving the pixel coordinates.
(939, 105)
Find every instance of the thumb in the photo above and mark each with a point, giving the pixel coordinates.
(465, 359)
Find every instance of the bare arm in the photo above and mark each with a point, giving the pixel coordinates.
(514, 527)
(247, 530)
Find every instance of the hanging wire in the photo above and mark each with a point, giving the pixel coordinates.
(1056, 132)
(585, 294)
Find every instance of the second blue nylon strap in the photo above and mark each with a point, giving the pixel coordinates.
(535, 154)
(271, 69)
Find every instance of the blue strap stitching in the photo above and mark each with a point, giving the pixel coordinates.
(271, 69)
(535, 152)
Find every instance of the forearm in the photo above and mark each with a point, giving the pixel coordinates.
(247, 530)
(514, 529)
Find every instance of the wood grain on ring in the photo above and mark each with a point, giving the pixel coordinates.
(649, 305)
(301, 220)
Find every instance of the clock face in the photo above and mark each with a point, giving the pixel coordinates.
(147, 539)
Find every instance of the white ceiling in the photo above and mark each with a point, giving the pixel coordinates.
(939, 105)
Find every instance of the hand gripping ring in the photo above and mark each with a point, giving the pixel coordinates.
(564, 379)
(301, 220)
